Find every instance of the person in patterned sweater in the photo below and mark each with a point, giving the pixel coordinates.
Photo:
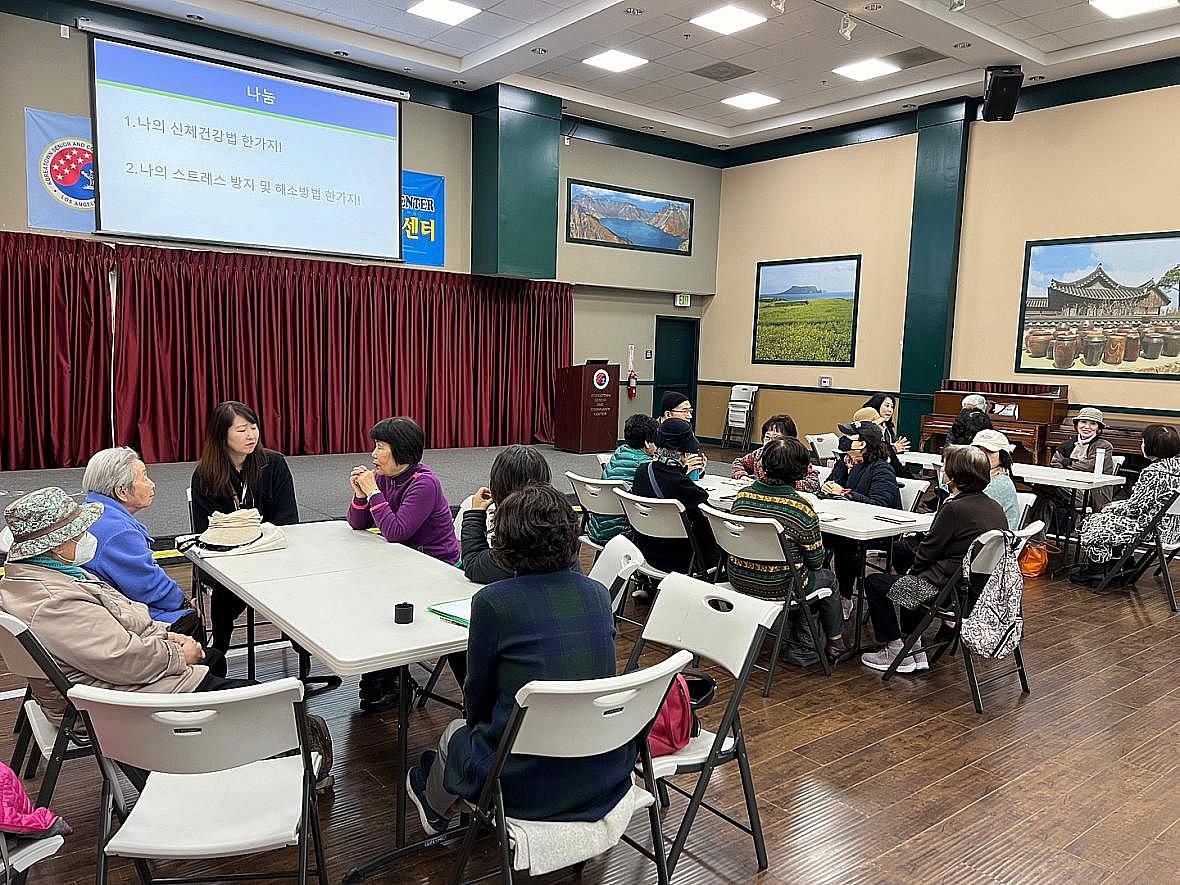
(782, 464)
(774, 427)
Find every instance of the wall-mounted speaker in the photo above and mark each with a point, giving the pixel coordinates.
(1001, 90)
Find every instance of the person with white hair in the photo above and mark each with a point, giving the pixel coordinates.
(975, 401)
(118, 480)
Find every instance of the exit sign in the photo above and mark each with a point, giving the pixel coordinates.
(684, 299)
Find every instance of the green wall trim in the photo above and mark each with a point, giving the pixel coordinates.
(840, 136)
(939, 185)
(515, 184)
(66, 12)
(643, 142)
(1102, 84)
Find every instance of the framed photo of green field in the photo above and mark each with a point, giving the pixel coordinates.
(805, 311)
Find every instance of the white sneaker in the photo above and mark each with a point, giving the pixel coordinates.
(847, 606)
(880, 660)
(919, 659)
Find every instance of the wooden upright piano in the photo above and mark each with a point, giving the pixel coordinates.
(1124, 434)
(1025, 413)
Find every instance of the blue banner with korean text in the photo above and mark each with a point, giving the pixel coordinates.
(423, 219)
(59, 171)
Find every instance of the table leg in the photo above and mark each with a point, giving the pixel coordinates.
(249, 642)
(401, 849)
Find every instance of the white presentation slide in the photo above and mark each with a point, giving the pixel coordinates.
(193, 150)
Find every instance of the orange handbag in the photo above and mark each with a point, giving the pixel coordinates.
(1034, 559)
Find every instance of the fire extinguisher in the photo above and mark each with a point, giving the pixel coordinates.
(632, 384)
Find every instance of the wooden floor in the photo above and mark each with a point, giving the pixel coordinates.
(858, 781)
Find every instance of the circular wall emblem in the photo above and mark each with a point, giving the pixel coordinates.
(601, 379)
(67, 171)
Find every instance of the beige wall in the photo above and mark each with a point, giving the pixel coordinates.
(41, 70)
(630, 269)
(1087, 169)
(845, 201)
(607, 320)
(812, 412)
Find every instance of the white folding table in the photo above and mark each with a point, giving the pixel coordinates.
(333, 590)
(925, 460)
(1074, 480)
(838, 516)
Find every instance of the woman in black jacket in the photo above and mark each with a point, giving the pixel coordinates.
(513, 469)
(886, 406)
(666, 476)
(863, 475)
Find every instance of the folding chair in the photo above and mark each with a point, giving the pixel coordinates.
(595, 498)
(1155, 552)
(218, 753)
(825, 445)
(1025, 501)
(604, 459)
(912, 491)
(573, 720)
(28, 852)
(614, 568)
(729, 629)
(26, 657)
(739, 414)
(823, 472)
(953, 602)
(662, 518)
(761, 540)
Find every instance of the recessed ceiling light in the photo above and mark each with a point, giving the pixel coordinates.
(615, 61)
(446, 11)
(458, 82)
(750, 101)
(909, 107)
(341, 53)
(962, 44)
(723, 144)
(195, 18)
(632, 10)
(1127, 8)
(1036, 78)
(407, 70)
(874, 7)
(867, 69)
(806, 128)
(647, 128)
(539, 50)
(728, 20)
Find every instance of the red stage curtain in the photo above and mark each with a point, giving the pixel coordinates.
(55, 365)
(325, 349)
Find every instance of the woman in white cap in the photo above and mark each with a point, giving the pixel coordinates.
(98, 635)
(1001, 489)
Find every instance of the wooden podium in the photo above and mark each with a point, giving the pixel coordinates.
(587, 409)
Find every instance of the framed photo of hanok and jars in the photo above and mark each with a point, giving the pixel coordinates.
(1107, 306)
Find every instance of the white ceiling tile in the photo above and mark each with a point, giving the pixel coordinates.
(991, 14)
(649, 92)
(530, 11)
(686, 82)
(649, 48)
(460, 38)
(1027, 8)
(1102, 30)
(423, 28)
(1022, 29)
(493, 25)
(724, 48)
(652, 24)
(1071, 17)
(687, 60)
(1048, 43)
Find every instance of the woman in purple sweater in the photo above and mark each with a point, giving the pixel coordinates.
(405, 501)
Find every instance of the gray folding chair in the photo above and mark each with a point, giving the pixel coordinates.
(662, 518)
(595, 498)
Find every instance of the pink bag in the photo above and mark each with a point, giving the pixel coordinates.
(673, 727)
(17, 814)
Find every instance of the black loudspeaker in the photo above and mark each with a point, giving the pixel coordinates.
(1000, 92)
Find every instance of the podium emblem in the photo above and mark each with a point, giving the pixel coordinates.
(601, 379)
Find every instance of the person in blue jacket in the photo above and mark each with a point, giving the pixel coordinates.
(118, 479)
(863, 475)
(639, 444)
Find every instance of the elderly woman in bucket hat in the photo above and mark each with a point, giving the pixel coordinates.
(1081, 453)
(98, 635)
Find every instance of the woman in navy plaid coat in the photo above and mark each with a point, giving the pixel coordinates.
(547, 622)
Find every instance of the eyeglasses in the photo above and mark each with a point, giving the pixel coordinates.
(681, 410)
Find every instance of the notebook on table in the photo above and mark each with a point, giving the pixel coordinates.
(457, 611)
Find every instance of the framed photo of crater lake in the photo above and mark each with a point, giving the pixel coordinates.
(601, 215)
(805, 311)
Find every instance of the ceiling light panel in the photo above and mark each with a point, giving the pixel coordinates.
(868, 69)
(1127, 8)
(615, 61)
(448, 12)
(728, 20)
(750, 101)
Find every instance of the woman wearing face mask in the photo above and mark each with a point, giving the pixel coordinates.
(236, 471)
(98, 636)
(405, 501)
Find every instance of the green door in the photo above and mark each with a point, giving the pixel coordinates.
(676, 358)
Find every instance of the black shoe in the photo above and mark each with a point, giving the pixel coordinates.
(1091, 574)
(386, 701)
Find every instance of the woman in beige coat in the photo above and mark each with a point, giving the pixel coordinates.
(97, 635)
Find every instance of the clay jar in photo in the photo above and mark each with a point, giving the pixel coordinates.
(1115, 343)
(1038, 343)
(1151, 346)
(1131, 348)
(1065, 349)
(1093, 348)
(1172, 343)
